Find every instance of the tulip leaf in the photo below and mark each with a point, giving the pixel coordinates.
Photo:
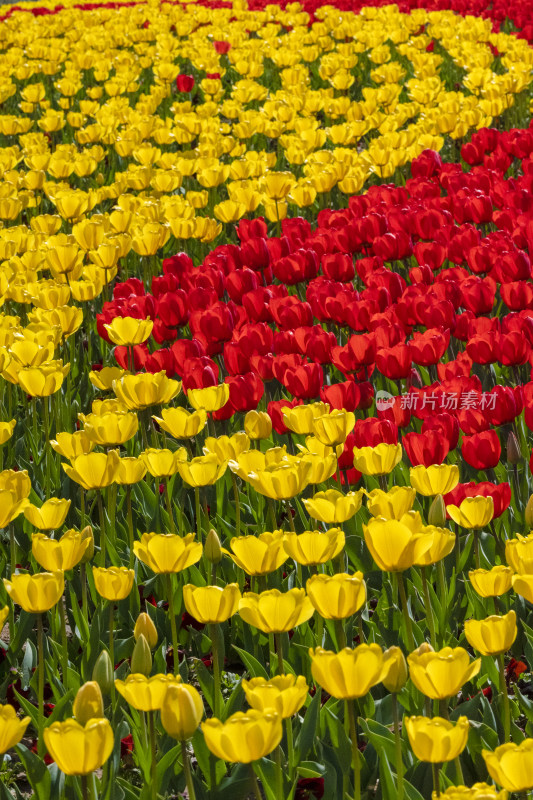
(204, 756)
(311, 769)
(339, 739)
(37, 772)
(237, 786)
(205, 679)
(79, 619)
(307, 734)
(171, 758)
(266, 770)
(381, 738)
(255, 669)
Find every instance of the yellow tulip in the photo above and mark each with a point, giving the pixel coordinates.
(212, 398)
(72, 445)
(59, 554)
(88, 703)
(300, 419)
(274, 611)
(145, 390)
(395, 672)
(181, 711)
(180, 423)
(334, 507)
(6, 430)
(396, 545)
(145, 627)
(259, 555)
(435, 479)
(392, 504)
(10, 506)
(493, 582)
(79, 749)
(167, 552)
(348, 674)
(333, 428)
(257, 425)
(243, 737)
(227, 447)
(511, 765)
(336, 596)
(281, 482)
(128, 331)
(44, 380)
(146, 694)
(519, 554)
(49, 516)
(202, 471)
(492, 635)
(12, 729)
(437, 740)
(113, 583)
(110, 429)
(442, 542)
(163, 463)
(129, 471)
(36, 594)
(211, 604)
(95, 470)
(103, 379)
(284, 694)
(379, 460)
(441, 674)
(474, 512)
(479, 791)
(314, 547)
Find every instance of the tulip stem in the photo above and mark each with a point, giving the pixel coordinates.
(406, 616)
(151, 723)
(279, 651)
(40, 685)
(84, 787)
(237, 504)
(64, 642)
(255, 785)
(398, 744)
(290, 748)
(187, 771)
(272, 514)
(505, 698)
(340, 634)
(436, 779)
(279, 772)
(169, 506)
(13, 548)
(197, 512)
(429, 609)
(112, 647)
(84, 602)
(356, 763)
(129, 516)
(170, 592)
(217, 695)
(102, 529)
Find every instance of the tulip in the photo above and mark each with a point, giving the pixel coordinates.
(103, 672)
(50, 516)
(435, 479)
(211, 604)
(274, 611)
(337, 596)
(44, 380)
(511, 765)
(300, 418)
(129, 471)
(334, 507)
(146, 694)
(257, 425)
(79, 749)
(181, 711)
(493, 582)
(163, 463)
(72, 445)
(103, 379)
(333, 428)
(243, 737)
(110, 429)
(523, 585)
(145, 390)
(12, 729)
(59, 554)
(437, 740)
(285, 694)
(314, 547)
(168, 553)
(441, 674)
(379, 460)
(210, 399)
(6, 430)
(281, 482)
(259, 555)
(473, 513)
(392, 504)
(519, 554)
(141, 658)
(227, 448)
(36, 594)
(479, 791)
(88, 703)
(127, 331)
(113, 583)
(493, 635)
(396, 545)
(182, 424)
(94, 470)
(202, 471)
(145, 627)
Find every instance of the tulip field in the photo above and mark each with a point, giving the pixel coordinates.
(266, 400)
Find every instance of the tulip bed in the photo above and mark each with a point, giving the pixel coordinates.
(265, 397)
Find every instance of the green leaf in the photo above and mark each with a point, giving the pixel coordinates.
(308, 730)
(339, 740)
(37, 772)
(205, 679)
(311, 769)
(381, 738)
(255, 669)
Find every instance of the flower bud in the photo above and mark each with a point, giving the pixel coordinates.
(146, 627)
(394, 670)
(212, 548)
(529, 512)
(88, 703)
(514, 456)
(437, 512)
(141, 660)
(425, 647)
(103, 672)
(87, 533)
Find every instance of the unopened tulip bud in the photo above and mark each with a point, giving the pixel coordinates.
(394, 670)
(425, 647)
(212, 548)
(103, 672)
(529, 512)
(141, 660)
(437, 512)
(514, 456)
(100, 180)
(87, 533)
(88, 703)
(146, 627)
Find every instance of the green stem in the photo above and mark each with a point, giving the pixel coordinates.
(129, 515)
(82, 508)
(255, 786)
(279, 650)
(290, 748)
(153, 752)
(340, 634)
(112, 646)
(272, 653)
(271, 513)
(477, 560)
(84, 787)
(217, 694)
(398, 747)
(13, 548)
(172, 620)
(289, 515)
(64, 641)
(320, 631)
(436, 778)
(429, 609)
(197, 512)
(169, 506)
(356, 763)
(187, 771)
(102, 529)
(279, 772)
(84, 603)
(505, 698)
(237, 504)
(406, 616)
(40, 685)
